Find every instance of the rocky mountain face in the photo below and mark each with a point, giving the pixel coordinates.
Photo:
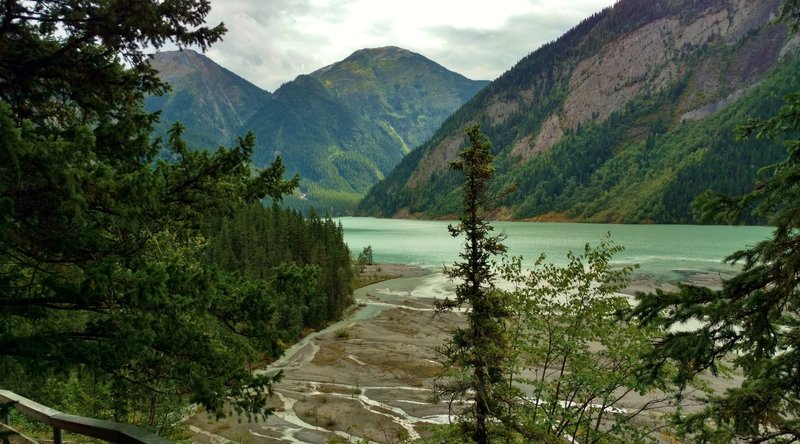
(212, 102)
(625, 118)
(343, 127)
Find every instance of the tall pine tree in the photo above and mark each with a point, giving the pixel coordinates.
(480, 351)
(101, 241)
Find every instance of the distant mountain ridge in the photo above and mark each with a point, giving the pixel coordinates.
(625, 118)
(408, 94)
(211, 101)
(343, 127)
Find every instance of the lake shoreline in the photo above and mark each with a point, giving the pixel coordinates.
(370, 374)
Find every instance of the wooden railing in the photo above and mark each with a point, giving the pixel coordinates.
(95, 428)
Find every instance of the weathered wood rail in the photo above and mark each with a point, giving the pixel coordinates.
(95, 428)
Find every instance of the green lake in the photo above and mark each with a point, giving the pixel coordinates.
(663, 252)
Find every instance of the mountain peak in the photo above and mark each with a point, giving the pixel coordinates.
(383, 52)
(172, 66)
(209, 99)
(375, 58)
(387, 82)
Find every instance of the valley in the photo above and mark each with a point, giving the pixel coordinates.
(181, 248)
(371, 374)
(626, 118)
(342, 127)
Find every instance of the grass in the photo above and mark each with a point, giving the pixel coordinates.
(368, 278)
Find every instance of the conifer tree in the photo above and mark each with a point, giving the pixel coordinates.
(753, 319)
(479, 350)
(101, 239)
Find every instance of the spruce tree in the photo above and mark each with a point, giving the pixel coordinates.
(754, 319)
(101, 239)
(481, 349)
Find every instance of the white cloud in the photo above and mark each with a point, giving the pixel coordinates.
(272, 42)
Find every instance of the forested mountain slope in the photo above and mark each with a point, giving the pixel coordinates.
(333, 149)
(403, 92)
(343, 127)
(212, 102)
(625, 118)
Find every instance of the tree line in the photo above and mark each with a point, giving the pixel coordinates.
(302, 258)
(138, 275)
(551, 358)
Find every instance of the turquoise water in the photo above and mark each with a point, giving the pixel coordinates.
(665, 252)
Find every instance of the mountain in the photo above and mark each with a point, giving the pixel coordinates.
(625, 118)
(212, 102)
(338, 153)
(342, 127)
(345, 126)
(400, 91)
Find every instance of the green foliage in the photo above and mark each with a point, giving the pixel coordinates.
(102, 267)
(302, 263)
(577, 360)
(476, 355)
(365, 257)
(790, 14)
(752, 320)
(645, 162)
(112, 302)
(555, 357)
(61, 59)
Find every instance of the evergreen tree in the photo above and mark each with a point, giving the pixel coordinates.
(481, 349)
(102, 243)
(753, 319)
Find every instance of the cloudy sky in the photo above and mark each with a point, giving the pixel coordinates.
(271, 42)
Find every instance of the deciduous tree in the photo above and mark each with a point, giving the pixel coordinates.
(577, 359)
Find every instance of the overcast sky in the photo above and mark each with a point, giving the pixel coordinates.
(270, 42)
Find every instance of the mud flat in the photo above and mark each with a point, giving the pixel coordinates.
(367, 376)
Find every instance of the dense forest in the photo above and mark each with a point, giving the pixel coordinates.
(643, 162)
(287, 273)
(138, 275)
(302, 259)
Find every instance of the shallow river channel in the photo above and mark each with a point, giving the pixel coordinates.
(370, 375)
